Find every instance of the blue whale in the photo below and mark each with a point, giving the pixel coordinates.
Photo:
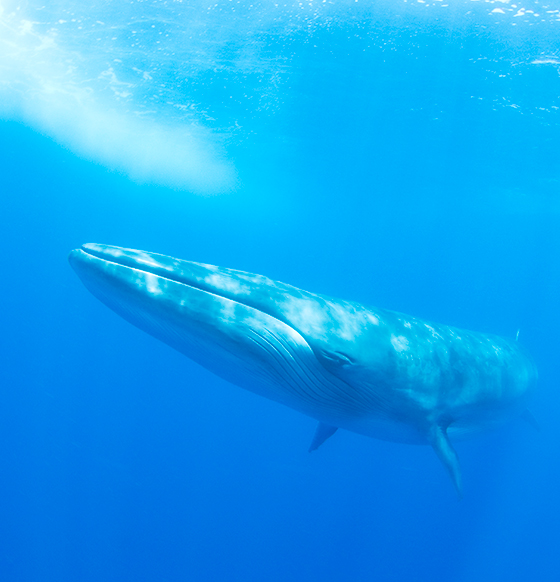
(371, 371)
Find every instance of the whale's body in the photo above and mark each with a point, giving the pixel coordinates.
(372, 371)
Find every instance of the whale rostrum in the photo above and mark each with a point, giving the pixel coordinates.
(371, 371)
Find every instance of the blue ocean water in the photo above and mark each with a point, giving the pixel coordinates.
(399, 154)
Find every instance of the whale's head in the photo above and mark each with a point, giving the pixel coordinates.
(262, 335)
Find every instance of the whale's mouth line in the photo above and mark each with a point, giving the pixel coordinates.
(166, 274)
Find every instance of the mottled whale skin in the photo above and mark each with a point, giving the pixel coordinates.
(371, 371)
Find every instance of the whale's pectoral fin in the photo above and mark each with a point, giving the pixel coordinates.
(440, 442)
(323, 432)
(528, 417)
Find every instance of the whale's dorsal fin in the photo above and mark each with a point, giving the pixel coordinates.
(323, 432)
(440, 442)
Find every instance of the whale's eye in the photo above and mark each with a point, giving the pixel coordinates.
(337, 358)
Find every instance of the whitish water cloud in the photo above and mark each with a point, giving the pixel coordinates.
(62, 85)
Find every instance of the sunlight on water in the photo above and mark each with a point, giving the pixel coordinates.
(158, 89)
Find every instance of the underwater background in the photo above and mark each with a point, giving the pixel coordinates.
(402, 154)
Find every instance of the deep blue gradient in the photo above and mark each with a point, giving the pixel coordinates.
(401, 178)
